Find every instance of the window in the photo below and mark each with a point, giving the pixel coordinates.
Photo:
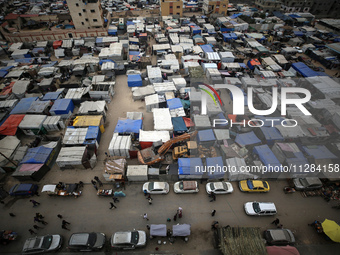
(171, 7)
(86, 19)
(77, 5)
(178, 7)
(95, 20)
(83, 23)
(79, 14)
(84, 10)
(93, 11)
(217, 6)
(224, 6)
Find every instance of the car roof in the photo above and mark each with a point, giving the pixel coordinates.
(267, 206)
(79, 238)
(218, 185)
(278, 234)
(189, 185)
(24, 187)
(122, 237)
(159, 185)
(313, 180)
(32, 243)
(258, 184)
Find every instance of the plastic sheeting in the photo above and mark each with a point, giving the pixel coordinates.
(52, 96)
(247, 139)
(304, 70)
(37, 155)
(318, 152)
(128, 126)
(158, 230)
(89, 120)
(187, 166)
(179, 125)
(181, 230)
(23, 105)
(271, 134)
(62, 107)
(267, 157)
(134, 80)
(10, 126)
(174, 103)
(162, 119)
(206, 136)
(215, 167)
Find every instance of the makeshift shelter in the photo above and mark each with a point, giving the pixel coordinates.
(93, 108)
(269, 135)
(128, 126)
(147, 138)
(247, 139)
(10, 126)
(134, 80)
(162, 119)
(269, 161)
(304, 70)
(53, 123)
(179, 125)
(23, 105)
(89, 120)
(75, 158)
(215, 168)
(63, 107)
(39, 107)
(137, 173)
(190, 168)
(8, 146)
(181, 230)
(53, 96)
(318, 152)
(158, 230)
(238, 168)
(206, 137)
(120, 145)
(33, 124)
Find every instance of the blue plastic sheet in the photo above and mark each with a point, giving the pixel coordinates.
(318, 152)
(206, 135)
(179, 125)
(93, 135)
(207, 48)
(304, 70)
(174, 103)
(134, 80)
(215, 167)
(128, 126)
(245, 139)
(271, 134)
(51, 96)
(267, 157)
(23, 105)
(62, 106)
(37, 155)
(187, 166)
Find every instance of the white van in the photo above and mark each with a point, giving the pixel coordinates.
(260, 208)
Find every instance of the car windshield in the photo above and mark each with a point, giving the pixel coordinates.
(212, 186)
(265, 185)
(151, 186)
(46, 242)
(92, 239)
(134, 237)
(304, 182)
(224, 186)
(250, 184)
(256, 207)
(181, 185)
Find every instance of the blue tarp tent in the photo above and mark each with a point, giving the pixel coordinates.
(318, 152)
(271, 134)
(129, 126)
(206, 136)
(229, 36)
(27, 60)
(112, 31)
(304, 70)
(134, 80)
(215, 167)
(23, 105)
(196, 30)
(129, 22)
(207, 48)
(105, 60)
(179, 125)
(174, 103)
(135, 53)
(298, 33)
(99, 40)
(4, 71)
(190, 166)
(37, 50)
(37, 155)
(93, 135)
(245, 139)
(52, 96)
(267, 157)
(62, 107)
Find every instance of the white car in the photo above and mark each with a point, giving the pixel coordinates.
(42, 244)
(219, 187)
(128, 240)
(298, 49)
(260, 208)
(156, 187)
(186, 187)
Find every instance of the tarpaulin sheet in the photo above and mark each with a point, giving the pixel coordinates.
(188, 122)
(247, 139)
(181, 230)
(174, 103)
(52, 63)
(30, 167)
(134, 80)
(271, 134)
(105, 60)
(304, 70)
(179, 124)
(24, 60)
(187, 166)
(10, 126)
(158, 230)
(215, 167)
(128, 126)
(206, 135)
(51, 96)
(3, 73)
(318, 152)
(185, 103)
(135, 53)
(267, 157)
(37, 50)
(23, 105)
(37, 155)
(38, 106)
(298, 33)
(92, 135)
(62, 106)
(207, 48)
(89, 120)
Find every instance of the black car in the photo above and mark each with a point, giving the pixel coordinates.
(86, 241)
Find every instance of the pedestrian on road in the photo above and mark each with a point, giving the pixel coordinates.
(64, 222)
(145, 216)
(150, 201)
(149, 196)
(168, 220)
(280, 226)
(43, 222)
(35, 203)
(36, 193)
(213, 213)
(145, 192)
(213, 197)
(180, 212)
(276, 221)
(11, 214)
(39, 216)
(148, 226)
(64, 227)
(175, 217)
(112, 205)
(32, 231)
(94, 184)
(36, 227)
(36, 219)
(115, 200)
(59, 216)
(99, 181)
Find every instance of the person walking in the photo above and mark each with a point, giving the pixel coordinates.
(59, 216)
(149, 196)
(115, 200)
(36, 227)
(145, 216)
(39, 216)
(213, 197)
(63, 226)
(31, 231)
(213, 213)
(11, 214)
(112, 205)
(276, 221)
(35, 203)
(43, 222)
(145, 192)
(94, 184)
(180, 212)
(150, 201)
(36, 219)
(175, 217)
(64, 222)
(99, 181)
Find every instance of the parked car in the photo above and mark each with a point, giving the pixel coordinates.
(279, 237)
(219, 187)
(42, 244)
(186, 187)
(260, 208)
(128, 240)
(307, 183)
(298, 49)
(156, 187)
(23, 189)
(86, 241)
(254, 186)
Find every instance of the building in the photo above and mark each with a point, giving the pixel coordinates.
(171, 7)
(86, 14)
(268, 5)
(214, 6)
(326, 8)
(297, 5)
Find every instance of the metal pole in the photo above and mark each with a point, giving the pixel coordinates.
(8, 159)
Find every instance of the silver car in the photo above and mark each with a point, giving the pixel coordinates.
(128, 240)
(219, 187)
(86, 241)
(279, 237)
(42, 244)
(156, 187)
(308, 183)
(186, 187)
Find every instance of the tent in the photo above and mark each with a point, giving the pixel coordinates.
(174, 103)
(181, 230)
(37, 155)
(304, 70)
(271, 134)
(206, 137)
(268, 159)
(76, 157)
(93, 135)
(23, 105)
(89, 120)
(52, 96)
(134, 80)
(318, 152)
(62, 107)
(10, 126)
(179, 125)
(191, 168)
(129, 126)
(158, 230)
(147, 138)
(207, 48)
(120, 145)
(215, 167)
(246, 139)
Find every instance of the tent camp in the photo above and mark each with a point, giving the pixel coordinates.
(63, 107)
(134, 80)
(10, 126)
(215, 168)
(128, 126)
(190, 168)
